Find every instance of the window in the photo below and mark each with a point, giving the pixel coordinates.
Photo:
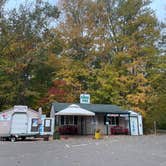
(47, 125)
(112, 120)
(62, 120)
(67, 120)
(34, 125)
(75, 120)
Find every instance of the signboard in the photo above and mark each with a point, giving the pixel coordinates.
(124, 115)
(47, 123)
(41, 127)
(43, 116)
(140, 125)
(20, 108)
(134, 125)
(85, 98)
(113, 115)
(34, 122)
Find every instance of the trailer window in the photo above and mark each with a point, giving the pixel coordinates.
(34, 125)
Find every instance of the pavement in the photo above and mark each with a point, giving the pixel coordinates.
(84, 151)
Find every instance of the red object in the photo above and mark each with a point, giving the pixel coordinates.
(118, 130)
(68, 129)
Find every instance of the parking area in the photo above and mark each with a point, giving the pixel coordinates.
(80, 151)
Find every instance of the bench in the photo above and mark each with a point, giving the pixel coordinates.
(118, 130)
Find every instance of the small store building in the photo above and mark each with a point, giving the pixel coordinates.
(84, 119)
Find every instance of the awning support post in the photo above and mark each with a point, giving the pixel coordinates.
(129, 124)
(81, 125)
(107, 123)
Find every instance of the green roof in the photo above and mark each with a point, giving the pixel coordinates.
(96, 108)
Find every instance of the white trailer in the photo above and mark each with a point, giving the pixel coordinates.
(22, 122)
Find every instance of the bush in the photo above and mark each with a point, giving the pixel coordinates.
(56, 135)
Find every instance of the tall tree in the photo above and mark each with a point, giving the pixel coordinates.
(157, 78)
(118, 33)
(22, 39)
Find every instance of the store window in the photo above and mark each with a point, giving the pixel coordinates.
(75, 120)
(112, 120)
(69, 120)
(62, 120)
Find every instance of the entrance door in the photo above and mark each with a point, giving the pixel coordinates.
(89, 125)
(19, 123)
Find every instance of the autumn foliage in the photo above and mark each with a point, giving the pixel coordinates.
(113, 50)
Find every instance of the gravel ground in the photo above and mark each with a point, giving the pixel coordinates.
(84, 151)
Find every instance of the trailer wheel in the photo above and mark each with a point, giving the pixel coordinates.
(13, 139)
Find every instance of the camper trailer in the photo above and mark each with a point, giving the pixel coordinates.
(20, 122)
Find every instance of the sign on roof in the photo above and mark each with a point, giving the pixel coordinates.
(114, 115)
(85, 98)
(20, 108)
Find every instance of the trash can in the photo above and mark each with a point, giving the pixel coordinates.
(97, 134)
(46, 137)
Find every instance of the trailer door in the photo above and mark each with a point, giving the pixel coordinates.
(19, 123)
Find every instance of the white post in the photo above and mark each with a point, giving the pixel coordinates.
(155, 127)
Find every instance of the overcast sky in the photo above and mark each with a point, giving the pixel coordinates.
(160, 8)
(158, 5)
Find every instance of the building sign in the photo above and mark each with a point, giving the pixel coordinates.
(113, 115)
(124, 115)
(20, 108)
(85, 98)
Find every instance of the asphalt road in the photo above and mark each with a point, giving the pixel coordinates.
(84, 151)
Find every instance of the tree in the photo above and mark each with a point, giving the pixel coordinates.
(121, 34)
(110, 49)
(22, 53)
(157, 109)
(104, 86)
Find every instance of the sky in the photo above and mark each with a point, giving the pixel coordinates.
(159, 6)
